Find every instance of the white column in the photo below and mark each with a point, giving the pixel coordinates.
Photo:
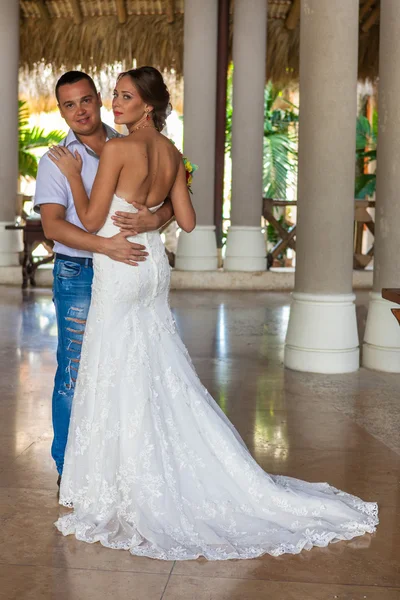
(245, 250)
(381, 349)
(10, 241)
(322, 334)
(197, 251)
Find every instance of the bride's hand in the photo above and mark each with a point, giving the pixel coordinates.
(69, 164)
(139, 222)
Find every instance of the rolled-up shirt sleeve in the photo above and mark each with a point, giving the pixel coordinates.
(51, 185)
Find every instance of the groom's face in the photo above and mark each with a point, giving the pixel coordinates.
(80, 106)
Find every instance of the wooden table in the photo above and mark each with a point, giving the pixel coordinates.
(32, 234)
(393, 295)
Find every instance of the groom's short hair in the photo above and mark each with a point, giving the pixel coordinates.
(73, 77)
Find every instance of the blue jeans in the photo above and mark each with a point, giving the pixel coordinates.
(72, 290)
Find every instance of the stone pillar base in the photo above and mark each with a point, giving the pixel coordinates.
(197, 251)
(11, 244)
(245, 249)
(322, 334)
(381, 348)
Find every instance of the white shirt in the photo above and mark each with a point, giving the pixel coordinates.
(52, 186)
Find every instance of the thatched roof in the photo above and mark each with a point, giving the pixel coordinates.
(96, 33)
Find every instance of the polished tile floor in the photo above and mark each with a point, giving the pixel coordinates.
(344, 429)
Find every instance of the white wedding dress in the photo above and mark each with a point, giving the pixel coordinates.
(152, 464)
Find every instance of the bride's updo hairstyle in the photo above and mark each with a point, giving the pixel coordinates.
(151, 87)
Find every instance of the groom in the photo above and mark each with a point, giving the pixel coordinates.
(79, 104)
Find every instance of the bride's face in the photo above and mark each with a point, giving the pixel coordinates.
(128, 106)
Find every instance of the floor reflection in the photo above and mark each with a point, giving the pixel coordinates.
(344, 429)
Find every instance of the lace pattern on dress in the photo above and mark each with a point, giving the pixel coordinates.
(153, 465)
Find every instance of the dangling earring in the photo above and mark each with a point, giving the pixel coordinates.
(147, 116)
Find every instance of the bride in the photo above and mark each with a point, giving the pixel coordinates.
(152, 464)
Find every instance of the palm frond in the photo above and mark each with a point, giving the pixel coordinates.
(30, 138)
(27, 164)
(365, 185)
(37, 138)
(280, 159)
(23, 115)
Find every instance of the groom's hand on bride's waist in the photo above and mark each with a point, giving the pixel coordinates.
(118, 248)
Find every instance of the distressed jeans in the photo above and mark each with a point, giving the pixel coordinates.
(72, 289)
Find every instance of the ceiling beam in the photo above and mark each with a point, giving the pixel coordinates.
(122, 13)
(372, 19)
(76, 11)
(44, 11)
(294, 15)
(170, 11)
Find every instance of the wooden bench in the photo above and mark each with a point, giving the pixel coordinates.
(393, 295)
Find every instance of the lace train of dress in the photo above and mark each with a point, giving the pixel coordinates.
(152, 464)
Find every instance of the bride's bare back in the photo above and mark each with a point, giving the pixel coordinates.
(144, 167)
(150, 167)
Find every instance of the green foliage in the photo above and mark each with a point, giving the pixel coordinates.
(30, 138)
(280, 143)
(366, 143)
(272, 234)
(280, 140)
